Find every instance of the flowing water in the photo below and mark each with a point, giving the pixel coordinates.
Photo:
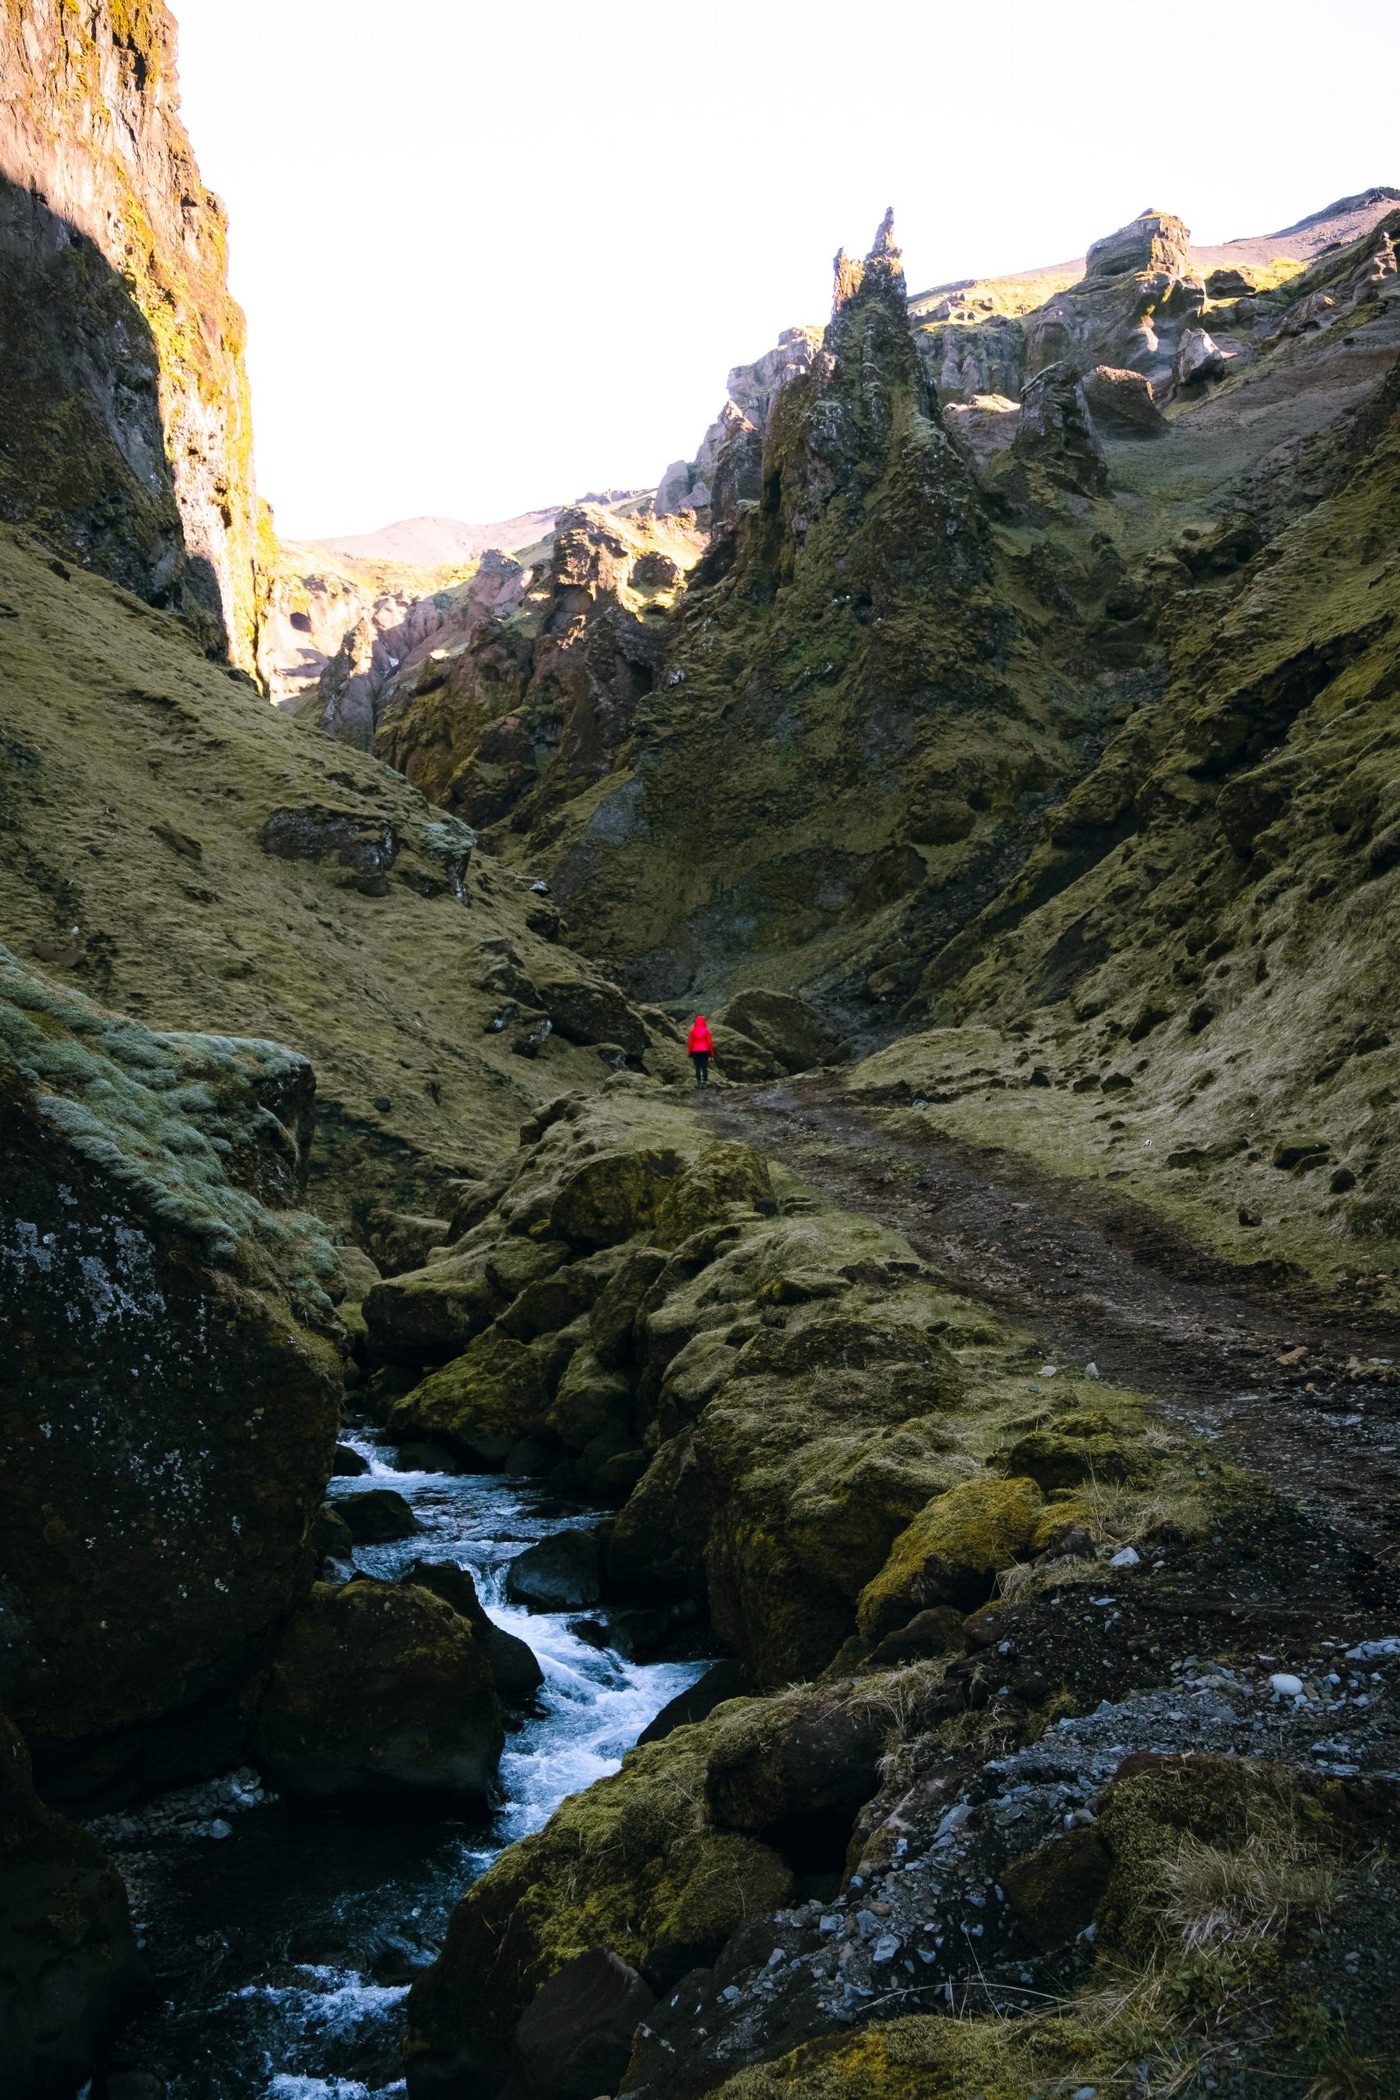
(284, 1943)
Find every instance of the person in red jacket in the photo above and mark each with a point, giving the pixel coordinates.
(701, 1045)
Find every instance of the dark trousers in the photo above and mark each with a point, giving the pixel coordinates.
(701, 1061)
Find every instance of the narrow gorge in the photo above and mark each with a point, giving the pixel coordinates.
(523, 1577)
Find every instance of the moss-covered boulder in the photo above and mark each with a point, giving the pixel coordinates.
(169, 1384)
(1075, 1449)
(429, 1315)
(497, 1392)
(69, 1967)
(635, 1864)
(513, 1662)
(609, 1198)
(952, 1552)
(375, 1516)
(379, 1689)
(792, 1033)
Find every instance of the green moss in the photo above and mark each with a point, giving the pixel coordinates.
(951, 1552)
(635, 1864)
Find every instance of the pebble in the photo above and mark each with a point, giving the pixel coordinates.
(1284, 1685)
(1126, 1557)
(885, 1948)
(220, 1829)
(1372, 1651)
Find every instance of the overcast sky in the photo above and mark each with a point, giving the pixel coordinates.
(493, 256)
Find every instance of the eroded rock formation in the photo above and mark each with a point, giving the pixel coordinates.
(128, 429)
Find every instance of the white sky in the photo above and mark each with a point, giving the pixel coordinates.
(495, 255)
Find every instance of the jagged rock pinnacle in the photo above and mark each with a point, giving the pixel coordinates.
(884, 243)
(882, 269)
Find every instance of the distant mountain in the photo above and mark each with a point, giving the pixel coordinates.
(430, 543)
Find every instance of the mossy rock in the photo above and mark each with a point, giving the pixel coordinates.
(635, 1864)
(952, 1552)
(429, 1315)
(612, 1320)
(787, 1028)
(614, 1196)
(776, 1760)
(69, 1967)
(379, 1689)
(590, 1402)
(497, 1392)
(926, 2057)
(1056, 1890)
(558, 1299)
(170, 1384)
(726, 1177)
(514, 1667)
(1052, 1458)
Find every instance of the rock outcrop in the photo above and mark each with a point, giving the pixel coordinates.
(531, 710)
(69, 1966)
(128, 433)
(379, 1690)
(724, 474)
(170, 1388)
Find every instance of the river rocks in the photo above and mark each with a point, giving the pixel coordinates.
(558, 1574)
(376, 1516)
(169, 1393)
(951, 1552)
(347, 1463)
(575, 2037)
(791, 1031)
(514, 1667)
(379, 1689)
(636, 1865)
(723, 1680)
(69, 1966)
(486, 1400)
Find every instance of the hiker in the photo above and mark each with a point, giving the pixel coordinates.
(701, 1045)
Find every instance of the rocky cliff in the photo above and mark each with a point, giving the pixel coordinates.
(128, 433)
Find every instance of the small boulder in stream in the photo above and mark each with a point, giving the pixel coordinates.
(377, 1516)
(574, 2039)
(513, 1662)
(558, 1574)
(379, 1689)
(348, 1464)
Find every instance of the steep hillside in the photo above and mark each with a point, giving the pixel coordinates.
(1189, 986)
(128, 435)
(182, 850)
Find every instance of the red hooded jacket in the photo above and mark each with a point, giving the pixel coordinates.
(700, 1037)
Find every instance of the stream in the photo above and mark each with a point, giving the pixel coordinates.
(284, 1942)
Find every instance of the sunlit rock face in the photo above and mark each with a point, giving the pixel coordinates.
(129, 434)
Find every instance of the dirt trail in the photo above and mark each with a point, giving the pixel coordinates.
(1097, 1280)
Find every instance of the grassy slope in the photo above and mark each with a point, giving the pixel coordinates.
(114, 726)
(1232, 958)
